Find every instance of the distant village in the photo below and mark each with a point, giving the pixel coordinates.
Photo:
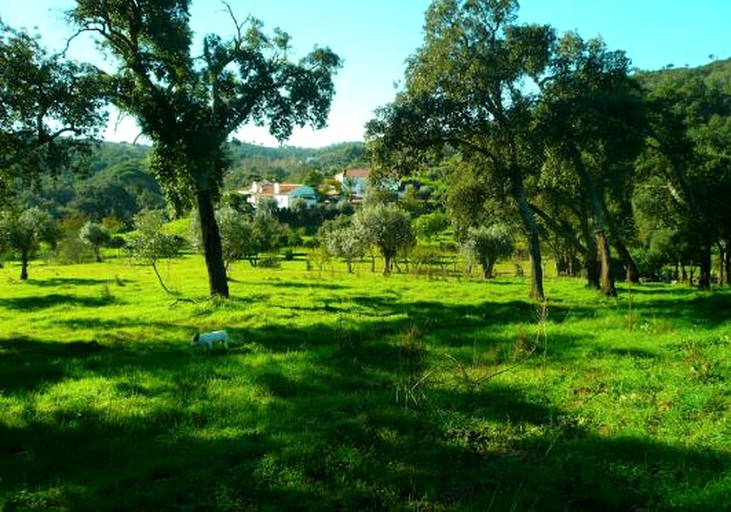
(351, 185)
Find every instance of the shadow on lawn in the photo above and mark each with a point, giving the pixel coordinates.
(71, 282)
(327, 432)
(56, 299)
(708, 309)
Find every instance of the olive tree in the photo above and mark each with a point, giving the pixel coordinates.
(24, 233)
(486, 244)
(341, 239)
(95, 235)
(385, 226)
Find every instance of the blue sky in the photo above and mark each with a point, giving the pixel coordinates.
(374, 37)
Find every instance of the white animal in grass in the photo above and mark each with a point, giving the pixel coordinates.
(208, 339)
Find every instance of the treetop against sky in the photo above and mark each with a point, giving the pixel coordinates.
(375, 38)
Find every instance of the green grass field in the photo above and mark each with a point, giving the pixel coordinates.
(359, 392)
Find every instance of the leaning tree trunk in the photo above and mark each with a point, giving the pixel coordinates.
(591, 258)
(217, 281)
(633, 272)
(531, 231)
(606, 276)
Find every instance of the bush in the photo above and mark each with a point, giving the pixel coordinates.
(71, 250)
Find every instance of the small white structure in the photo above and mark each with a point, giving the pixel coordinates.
(283, 193)
(208, 339)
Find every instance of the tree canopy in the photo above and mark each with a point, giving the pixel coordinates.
(189, 106)
(50, 108)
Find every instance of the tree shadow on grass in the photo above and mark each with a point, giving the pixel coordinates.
(36, 303)
(710, 310)
(305, 285)
(324, 428)
(71, 282)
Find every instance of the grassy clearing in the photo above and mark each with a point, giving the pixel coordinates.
(359, 392)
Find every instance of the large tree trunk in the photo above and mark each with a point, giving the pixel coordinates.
(606, 278)
(704, 280)
(633, 273)
(596, 204)
(217, 282)
(24, 265)
(591, 256)
(531, 231)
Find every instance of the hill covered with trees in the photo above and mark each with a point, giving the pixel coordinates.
(116, 179)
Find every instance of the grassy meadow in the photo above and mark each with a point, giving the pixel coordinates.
(359, 392)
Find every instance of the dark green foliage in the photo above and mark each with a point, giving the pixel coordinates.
(189, 107)
(687, 160)
(49, 106)
(117, 185)
(486, 114)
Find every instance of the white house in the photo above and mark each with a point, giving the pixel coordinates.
(283, 193)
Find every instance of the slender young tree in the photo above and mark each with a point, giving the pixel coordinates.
(188, 105)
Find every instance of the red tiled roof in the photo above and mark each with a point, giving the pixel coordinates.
(356, 173)
(284, 189)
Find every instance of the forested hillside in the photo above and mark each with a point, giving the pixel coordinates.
(116, 178)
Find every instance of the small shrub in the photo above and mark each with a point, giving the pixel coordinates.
(72, 250)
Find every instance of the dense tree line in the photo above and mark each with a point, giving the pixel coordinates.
(556, 135)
